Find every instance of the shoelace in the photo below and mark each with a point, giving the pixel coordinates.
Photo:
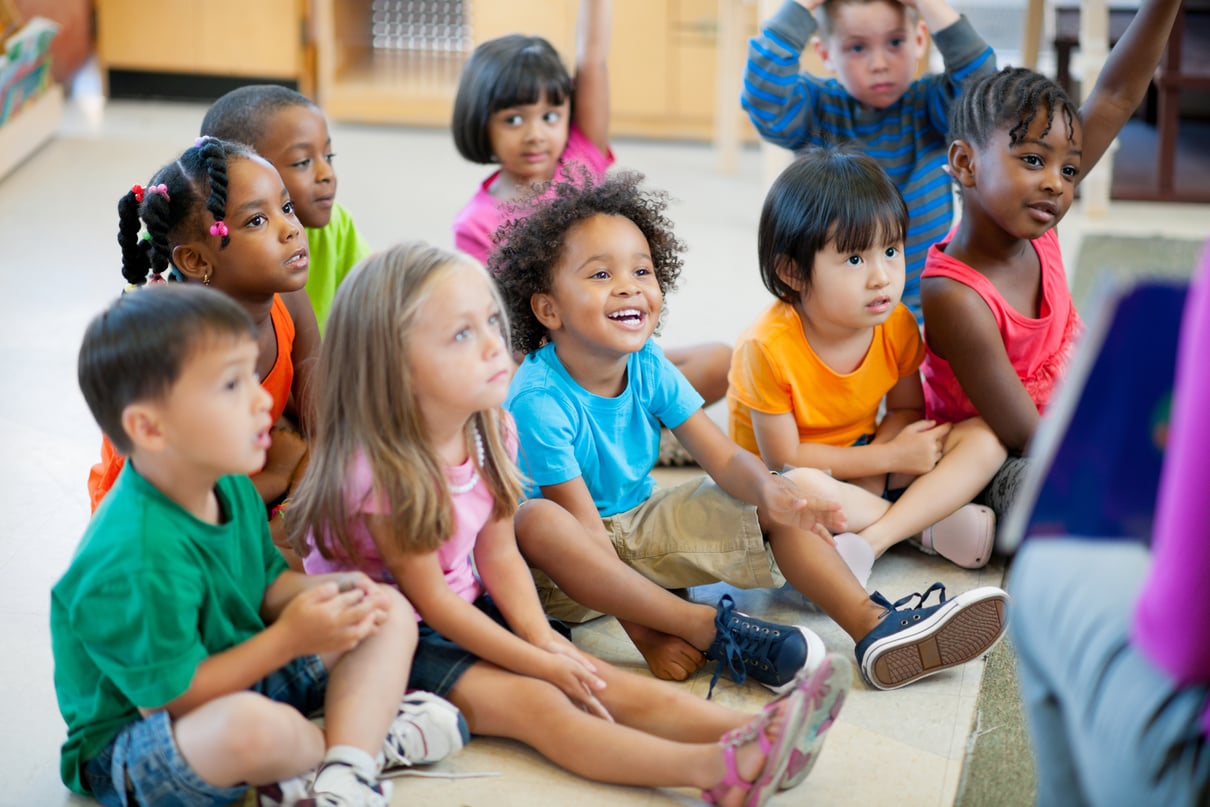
(732, 660)
(750, 645)
(891, 608)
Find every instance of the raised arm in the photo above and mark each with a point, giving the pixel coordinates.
(966, 55)
(937, 15)
(1124, 79)
(778, 98)
(591, 107)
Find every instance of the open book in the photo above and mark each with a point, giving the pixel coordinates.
(1097, 454)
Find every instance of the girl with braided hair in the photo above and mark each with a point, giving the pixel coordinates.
(999, 319)
(220, 215)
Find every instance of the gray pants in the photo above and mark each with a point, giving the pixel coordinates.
(1108, 727)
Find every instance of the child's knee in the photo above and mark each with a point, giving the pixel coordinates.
(981, 441)
(537, 519)
(247, 725)
(399, 611)
(813, 482)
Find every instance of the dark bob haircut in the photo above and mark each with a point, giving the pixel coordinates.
(828, 195)
(136, 349)
(510, 71)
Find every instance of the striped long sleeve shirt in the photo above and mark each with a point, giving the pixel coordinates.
(909, 139)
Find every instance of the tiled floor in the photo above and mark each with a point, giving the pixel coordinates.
(59, 265)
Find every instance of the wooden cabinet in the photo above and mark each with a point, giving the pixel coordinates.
(663, 62)
(373, 65)
(263, 39)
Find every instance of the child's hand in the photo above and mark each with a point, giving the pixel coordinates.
(786, 504)
(360, 581)
(573, 672)
(919, 446)
(325, 619)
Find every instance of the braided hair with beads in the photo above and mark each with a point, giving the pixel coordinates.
(186, 199)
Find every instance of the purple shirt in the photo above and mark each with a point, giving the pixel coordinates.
(1172, 616)
(483, 214)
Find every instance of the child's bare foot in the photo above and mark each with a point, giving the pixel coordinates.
(669, 657)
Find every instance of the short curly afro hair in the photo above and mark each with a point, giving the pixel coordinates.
(531, 243)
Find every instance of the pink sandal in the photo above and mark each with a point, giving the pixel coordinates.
(777, 751)
(964, 537)
(825, 691)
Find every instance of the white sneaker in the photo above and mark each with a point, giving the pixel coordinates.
(286, 793)
(427, 729)
(339, 784)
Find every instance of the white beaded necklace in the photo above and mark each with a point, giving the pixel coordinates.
(469, 484)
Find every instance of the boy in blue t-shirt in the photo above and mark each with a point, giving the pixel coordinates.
(187, 655)
(583, 275)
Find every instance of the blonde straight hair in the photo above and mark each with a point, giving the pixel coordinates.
(366, 403)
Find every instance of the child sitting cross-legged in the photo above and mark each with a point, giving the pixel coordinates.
(413, 480)
(809, 376)
(584, 276)
(187, 656)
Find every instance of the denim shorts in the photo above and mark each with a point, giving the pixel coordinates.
(142, 765)
(439, 663)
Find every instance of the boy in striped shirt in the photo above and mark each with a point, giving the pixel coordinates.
(874, 103)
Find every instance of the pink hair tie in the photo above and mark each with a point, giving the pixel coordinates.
(219, 228)
(197, 143)
(151, 281)
(137, 190)
(161, 189)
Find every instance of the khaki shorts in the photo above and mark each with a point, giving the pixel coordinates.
(690, 534)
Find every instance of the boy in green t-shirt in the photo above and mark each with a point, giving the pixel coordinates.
(187, 656)
(291, 132)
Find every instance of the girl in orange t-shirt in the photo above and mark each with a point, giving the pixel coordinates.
(809, 379)
(220, 215)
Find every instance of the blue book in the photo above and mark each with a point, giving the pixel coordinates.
(1097, 454)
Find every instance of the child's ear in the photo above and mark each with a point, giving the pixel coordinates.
(962, 163)
(822, 51)
(544, 308)
(787, 269)
(141, 422)
(193, 262)
(921, 35)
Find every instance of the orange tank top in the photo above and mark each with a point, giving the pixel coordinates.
(277, 383)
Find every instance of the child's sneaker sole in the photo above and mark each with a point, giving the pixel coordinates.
(825, 694)
(959, 631)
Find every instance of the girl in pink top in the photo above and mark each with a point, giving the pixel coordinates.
(998, 315)
(517, 107)
(412, 477)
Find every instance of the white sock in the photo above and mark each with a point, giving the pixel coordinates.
(354, 757)
(857, 555)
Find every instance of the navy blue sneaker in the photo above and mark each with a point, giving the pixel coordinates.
(773, 654)
(913, 643)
